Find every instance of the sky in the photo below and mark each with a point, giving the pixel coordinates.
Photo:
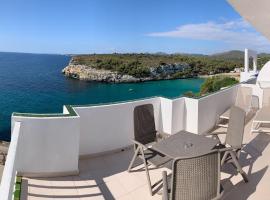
(125, 26)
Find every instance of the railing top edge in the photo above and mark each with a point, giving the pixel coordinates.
(117, 102)
(72, 113)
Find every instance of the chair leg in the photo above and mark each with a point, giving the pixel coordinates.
(147, 172)
(239, 168)
(133, 159)
(165, 195)
(224, 157)
(255, 126)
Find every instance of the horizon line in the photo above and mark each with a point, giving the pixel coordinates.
(104, 53)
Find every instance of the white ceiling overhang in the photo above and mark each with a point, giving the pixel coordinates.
(256, 12)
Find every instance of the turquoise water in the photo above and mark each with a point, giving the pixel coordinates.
(34, 83)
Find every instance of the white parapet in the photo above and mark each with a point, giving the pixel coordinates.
(49, 146)
(9, 173)
(105, 128)
(52, 145)
(202, 113)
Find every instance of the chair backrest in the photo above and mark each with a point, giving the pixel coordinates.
(266, 97)
(236, 126)
(244, 97)
(144, 124)
(196, 178)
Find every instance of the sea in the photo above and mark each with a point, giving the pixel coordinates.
(33, 83)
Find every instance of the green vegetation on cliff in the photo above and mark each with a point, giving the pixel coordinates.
(213, 84)
(139, 65)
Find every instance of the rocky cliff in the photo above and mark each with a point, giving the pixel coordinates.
(87, 73)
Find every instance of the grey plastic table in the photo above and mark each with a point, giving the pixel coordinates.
(185, 144)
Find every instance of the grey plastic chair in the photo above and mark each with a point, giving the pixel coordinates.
(234, 139)
(196, 178)
(263, 114)
(145, 135)
(243, 100)
(266, 98)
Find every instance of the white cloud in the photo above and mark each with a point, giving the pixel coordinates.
(236, 34)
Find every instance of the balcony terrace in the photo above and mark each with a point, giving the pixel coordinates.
(84, 152)
(105, 177)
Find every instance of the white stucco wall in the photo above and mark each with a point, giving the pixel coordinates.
(109, 127)
(191, 115)
(9, 173)
(212, 106)
(201, 114)
(257, 93)
(48, 145)
(55, 143)
(178, 119)
(173, 115)
(166, 115)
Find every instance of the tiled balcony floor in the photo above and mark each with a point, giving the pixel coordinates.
(106, 177)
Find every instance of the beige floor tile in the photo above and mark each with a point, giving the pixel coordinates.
(68, 198)
(112, 190)
(125, 197)
(81, 182)
(93, 198)
(130, 181)
(94, 164)
(39, 181)
(143, 193)
(39, 191)
(89, 191)
(92, 178)
(105, 175)
(62, 182)
(65, 193)
(39, 198)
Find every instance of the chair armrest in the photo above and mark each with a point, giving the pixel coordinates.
(226, 149)
(165, 194)
(215, 136)
(139, 144)
(218, 133)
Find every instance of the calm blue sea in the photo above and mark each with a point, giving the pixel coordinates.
(34, 83)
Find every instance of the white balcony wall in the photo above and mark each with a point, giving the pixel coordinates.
(55, 143)
(48, 146)
(257, 93)
(109, 127)
(178, 119)
(212, 106)
(166, 115)
(9, 173)
(191, 115)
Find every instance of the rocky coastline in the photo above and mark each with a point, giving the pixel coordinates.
(87, 73)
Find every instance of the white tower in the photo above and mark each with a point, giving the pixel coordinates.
(249, 74)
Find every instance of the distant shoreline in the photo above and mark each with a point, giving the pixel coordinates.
(235, 75)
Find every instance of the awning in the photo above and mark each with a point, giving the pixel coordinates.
(257, 12)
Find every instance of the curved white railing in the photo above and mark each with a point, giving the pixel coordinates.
(9, 173)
